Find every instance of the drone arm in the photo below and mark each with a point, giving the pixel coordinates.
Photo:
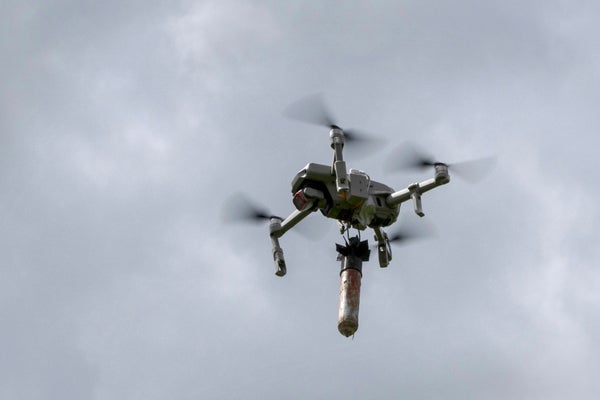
(398, 197)
(414, 192)
(292, 220)
(404, 195)
(336, 136)
(277, 228)
(429, 184)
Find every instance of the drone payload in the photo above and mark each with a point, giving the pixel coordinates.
(352, 256)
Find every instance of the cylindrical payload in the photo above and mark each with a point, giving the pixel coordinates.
(349, 301)
(352, 256)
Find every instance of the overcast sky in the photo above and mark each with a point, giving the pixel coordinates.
(124, 126)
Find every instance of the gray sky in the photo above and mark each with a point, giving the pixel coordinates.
(125, 125)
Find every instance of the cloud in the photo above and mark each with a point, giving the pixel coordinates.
(125, 126)
(213, 35)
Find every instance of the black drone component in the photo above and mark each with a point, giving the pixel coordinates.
(402, 235)
(355, 247)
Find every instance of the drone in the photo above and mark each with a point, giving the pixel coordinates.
(355, 201)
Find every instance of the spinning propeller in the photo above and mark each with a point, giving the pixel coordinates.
(401, 236)
(239, 208)
(313, 110)
(409, 232)
(408, 156)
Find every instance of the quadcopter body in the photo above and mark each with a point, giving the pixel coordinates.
(351, 198)
(355, 201)
(362, 205)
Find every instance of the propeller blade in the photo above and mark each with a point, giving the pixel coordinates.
(408, 156)
(360, 143)
(473, 170)
(239, 207)
(401, 236)
(354, 136)
(311, 110)
(410, 231)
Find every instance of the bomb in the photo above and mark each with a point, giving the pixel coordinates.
(352, 256)
(349, 302)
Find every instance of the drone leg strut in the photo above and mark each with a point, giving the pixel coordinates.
(278, 227)
(280, 266)
(384, 251)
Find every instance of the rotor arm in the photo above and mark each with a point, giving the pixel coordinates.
(415, 190)
(336, 136)
(292, 220)
(277, 228)
(405, 194)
